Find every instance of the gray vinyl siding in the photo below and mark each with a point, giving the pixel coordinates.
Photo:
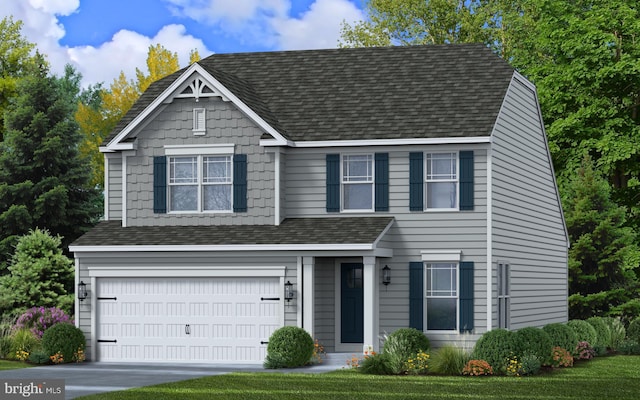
(325, 303)
(176, 260)
(411, 232)
(528, 230)
(225, 125)
(115, 188)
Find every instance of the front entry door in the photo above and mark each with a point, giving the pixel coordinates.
(352, 303)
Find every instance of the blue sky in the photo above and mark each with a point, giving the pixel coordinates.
(101, 38)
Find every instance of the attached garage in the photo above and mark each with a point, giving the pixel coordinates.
(197, 319)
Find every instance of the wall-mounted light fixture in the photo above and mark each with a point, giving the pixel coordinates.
(288, 291)
(386, 275)
(82, 290)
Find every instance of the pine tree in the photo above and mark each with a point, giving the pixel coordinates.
(603, 252)
(43, 181)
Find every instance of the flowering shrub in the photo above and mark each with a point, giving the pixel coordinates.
(561, 358)
(514, 366)
(57, 358)
(417, 365)
(39, 319)
(477, 368)
(79, 355)
(22, 355)
(584, 351)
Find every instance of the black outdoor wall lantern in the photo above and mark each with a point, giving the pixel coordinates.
(82, 290)
(386, 275)
(288, 291)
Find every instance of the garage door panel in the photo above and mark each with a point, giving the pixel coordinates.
(187, 319)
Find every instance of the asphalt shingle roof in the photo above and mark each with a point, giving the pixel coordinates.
(334, 230)
(364, 93)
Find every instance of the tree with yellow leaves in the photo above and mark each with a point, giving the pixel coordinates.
(99, 117)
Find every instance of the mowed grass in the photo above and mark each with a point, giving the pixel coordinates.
(5, 365)
(615, 377)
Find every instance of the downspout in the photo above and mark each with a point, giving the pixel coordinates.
(489, 239)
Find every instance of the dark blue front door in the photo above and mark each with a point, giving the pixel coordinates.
(352, 303)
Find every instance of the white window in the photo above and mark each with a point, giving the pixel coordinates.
(357, 182)
(504, 295)
(200, 183)
(199, 121)
(441, 283)
(442, 180)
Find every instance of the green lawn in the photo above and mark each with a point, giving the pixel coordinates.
(5, 365)
(603, 378)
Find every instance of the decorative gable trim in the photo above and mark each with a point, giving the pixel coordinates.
(199, 88)
(214, 85)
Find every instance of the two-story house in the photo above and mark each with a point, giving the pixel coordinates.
(350, 192)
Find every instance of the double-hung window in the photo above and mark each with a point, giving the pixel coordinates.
(357, 182)
(441, 284)
(200, 183)
(441, 180)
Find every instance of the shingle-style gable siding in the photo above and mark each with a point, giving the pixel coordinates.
(528, 232)
(225, 125)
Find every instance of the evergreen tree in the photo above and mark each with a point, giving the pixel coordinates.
(603, 255)
(43, 181)
(39, 275)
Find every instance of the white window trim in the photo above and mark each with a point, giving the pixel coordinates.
(427, 181)
(200, 184)
(457, 298)
(197, 129)
(198, 149)
(343, 183)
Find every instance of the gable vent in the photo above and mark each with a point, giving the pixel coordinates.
(199, 88)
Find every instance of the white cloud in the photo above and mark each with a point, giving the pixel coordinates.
(124, 52)
(318, 28)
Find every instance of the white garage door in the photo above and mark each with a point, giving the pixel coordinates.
(201, 320)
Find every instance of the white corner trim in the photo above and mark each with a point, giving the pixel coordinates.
(276, 189)
(192, 149)
(489, 240)
(441, 255)
(124, 189)
(105, 191)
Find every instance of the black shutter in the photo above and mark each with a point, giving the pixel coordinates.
(416, 181)
(240, 183)
(416, 295)
(159, 185)
(466, 296)
(382, 181)
(466, 180)
(333, 182)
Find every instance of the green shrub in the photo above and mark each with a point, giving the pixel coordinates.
(562, 336)
(534, 341)
(377, 364)
(618, 333)
(39, 357)
(5, 346)
(64, 339)
(603, 334)
(407, 341)
(22, 340)
(402, 344)
(585, 332)
(633, 331)
(449, 360)
(530, 364)
(494, 347)
(289, 347)
(629, 347)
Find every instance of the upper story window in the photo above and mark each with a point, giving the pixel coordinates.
(357, 182)
(441, 180)
(199, 121)
(200, 183)
(200, 178)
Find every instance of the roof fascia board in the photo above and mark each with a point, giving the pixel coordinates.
(168, 92)
(240, 247)
(381, 142)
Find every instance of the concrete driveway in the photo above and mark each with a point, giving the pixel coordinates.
(98, 377)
